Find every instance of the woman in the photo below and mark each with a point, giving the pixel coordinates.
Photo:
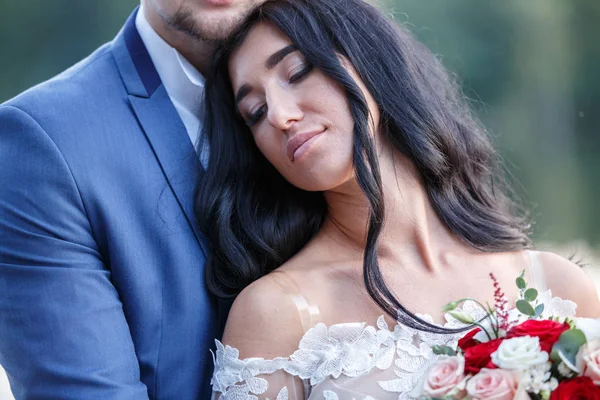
(350, 196)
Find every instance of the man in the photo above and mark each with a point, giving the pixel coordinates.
(102, 292)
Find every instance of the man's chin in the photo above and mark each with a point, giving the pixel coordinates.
(217, 30)
(210, 24)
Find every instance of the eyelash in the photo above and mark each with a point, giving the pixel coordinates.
(297, 77)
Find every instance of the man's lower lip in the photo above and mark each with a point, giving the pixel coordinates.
(305, 146)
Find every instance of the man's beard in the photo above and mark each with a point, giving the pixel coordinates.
(212, 30)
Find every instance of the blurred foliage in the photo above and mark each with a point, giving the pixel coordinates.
(529, 67)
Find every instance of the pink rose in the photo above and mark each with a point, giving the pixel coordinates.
(492, 384)
(588, 360)
(446, 378)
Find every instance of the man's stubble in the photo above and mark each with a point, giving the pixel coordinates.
(206, 29)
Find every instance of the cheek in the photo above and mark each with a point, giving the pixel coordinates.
(270, 144)
(330, 164)
(168, 7)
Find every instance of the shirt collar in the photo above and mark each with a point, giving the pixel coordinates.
(182, 81)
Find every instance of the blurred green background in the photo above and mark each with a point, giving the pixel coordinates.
(530, 67)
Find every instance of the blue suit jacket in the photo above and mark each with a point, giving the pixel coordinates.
(102, 291)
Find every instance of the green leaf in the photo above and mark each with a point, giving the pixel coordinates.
(522, 275)
(531, 294)
(525, 308)
(539, 309)
(573, 337)
(443, 350)
(521, 284)
(565, 350)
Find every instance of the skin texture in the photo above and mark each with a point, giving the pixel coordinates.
(194, 26)
(423, 263)
(289, 108)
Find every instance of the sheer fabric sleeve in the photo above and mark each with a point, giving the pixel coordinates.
(553, 306)
(536, 271)
(264, 378)
(253, 378)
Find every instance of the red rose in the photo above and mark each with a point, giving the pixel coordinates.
(479, 356)
(467, 341)
(580, 388)
(547, 331)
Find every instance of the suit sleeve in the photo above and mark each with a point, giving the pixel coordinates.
(63, 333)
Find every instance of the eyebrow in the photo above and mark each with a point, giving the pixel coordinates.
(279, 55)
(271, 62)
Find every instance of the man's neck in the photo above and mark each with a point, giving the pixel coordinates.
(196, 51)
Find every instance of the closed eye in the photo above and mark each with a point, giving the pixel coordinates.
(256, 116)
(302, 71)
(297, 75)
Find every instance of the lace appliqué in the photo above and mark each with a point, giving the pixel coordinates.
(415, 355)
(239, 379)
(555, 306)
(331, 395)
(352, 350)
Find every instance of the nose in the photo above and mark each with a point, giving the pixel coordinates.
(283, 109)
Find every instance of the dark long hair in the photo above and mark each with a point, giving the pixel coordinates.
(256, 220)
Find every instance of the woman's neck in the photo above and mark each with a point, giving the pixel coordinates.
(412, 232)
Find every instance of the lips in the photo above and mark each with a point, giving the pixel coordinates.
(296, 141)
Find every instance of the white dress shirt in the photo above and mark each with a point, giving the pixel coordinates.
(182, 81)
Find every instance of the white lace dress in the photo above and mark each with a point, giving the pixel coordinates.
(347, 361)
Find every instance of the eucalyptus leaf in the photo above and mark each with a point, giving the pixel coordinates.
(567, 347)
(570, 362)
(573, 337)
(441, 350)
(525, 308)
(521, 284)
(531, 294)
(539, 309)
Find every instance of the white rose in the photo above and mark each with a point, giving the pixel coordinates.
(519, 353)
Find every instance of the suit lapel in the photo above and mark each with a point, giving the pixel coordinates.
(172, 147)
(159, 120)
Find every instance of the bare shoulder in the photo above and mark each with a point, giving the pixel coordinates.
(264, 320)
(569, 281)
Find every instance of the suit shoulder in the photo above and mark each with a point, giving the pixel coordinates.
(70, 87)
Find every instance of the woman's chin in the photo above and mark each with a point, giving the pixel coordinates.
(314, 186)
(319, 172)
(321, 182)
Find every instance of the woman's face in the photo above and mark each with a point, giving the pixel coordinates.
(299, 118)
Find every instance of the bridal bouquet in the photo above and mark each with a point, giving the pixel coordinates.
(518, 354)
